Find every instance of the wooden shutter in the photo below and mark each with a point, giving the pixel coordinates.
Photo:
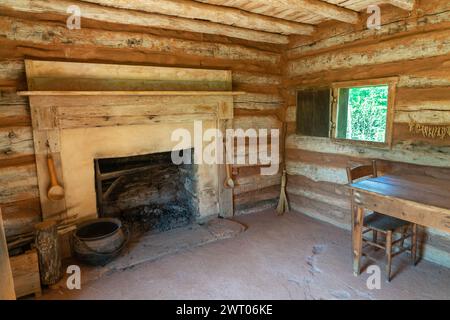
(313, 112)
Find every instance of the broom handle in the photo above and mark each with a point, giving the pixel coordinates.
(283, 180)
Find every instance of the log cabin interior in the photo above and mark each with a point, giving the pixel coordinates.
(225, 149)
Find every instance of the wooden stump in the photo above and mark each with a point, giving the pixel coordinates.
(49, 255)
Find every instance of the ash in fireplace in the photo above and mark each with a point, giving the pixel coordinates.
(157, 217)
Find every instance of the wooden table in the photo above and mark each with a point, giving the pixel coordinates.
(418, 199)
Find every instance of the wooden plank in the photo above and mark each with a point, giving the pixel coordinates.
(218, 14)
(20, 217)
(358, 72)
(433, 185)
(18, 183)
(13, 208)
(15, 142)
(338, 37)
(419, 154)
(256, 182)
(403, 135)
(320, 210)
(340, 201)
(225, 193)
(330, 160)
(377, 53)
(413, 211)
(258, 101)
(48, 207)
(321, 8)
(143, 19)
(14, 110)
(252, 197)
(25, 270)
(257, 206)
(129, 93)
(7, 287)
(121, 75)
(404, 4)
(424, 192)
(71, 122)
(104, 45)
(263, 122)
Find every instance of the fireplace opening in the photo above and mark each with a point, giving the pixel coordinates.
(149, 192)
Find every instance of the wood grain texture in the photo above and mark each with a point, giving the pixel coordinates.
(142, 19)
(340, 52)
(7, 287)
(308, 7)
(423, 190)
(25, 270)
(218, 14)
(255, 68)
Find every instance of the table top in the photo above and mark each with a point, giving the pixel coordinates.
(420, 189)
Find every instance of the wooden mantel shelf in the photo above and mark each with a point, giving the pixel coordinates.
(130, 93)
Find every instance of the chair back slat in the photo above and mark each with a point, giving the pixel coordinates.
(369, 171)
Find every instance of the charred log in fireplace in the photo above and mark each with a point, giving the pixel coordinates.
(148, 191)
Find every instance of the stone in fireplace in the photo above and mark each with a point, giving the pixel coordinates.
(149, 192)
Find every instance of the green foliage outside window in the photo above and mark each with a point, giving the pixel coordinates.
(367, 113)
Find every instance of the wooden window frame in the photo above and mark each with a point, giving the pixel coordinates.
(391, 82)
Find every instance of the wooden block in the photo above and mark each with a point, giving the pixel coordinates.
(6, 287)
(25, 270)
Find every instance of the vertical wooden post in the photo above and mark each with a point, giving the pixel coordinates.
(49, 254)
(225, 197)
(6, 279)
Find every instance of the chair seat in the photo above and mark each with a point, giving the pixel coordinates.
(384, 223)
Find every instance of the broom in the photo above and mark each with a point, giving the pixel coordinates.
(283, 205)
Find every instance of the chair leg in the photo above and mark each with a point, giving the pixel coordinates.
(404, 233)
(357, 240)
(414, 244)
(375, 238)
(388, 255)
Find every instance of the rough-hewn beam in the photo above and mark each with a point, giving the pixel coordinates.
(113, 15)
(318, 7)
(403, 4)
(218, 14)
(43, 33)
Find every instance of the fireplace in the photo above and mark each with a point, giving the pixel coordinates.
(148, 191)
(128, 126)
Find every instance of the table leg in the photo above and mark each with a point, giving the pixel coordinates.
(357, 240)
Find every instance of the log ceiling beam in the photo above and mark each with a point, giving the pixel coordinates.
(128, 17)
(316, 7)
(403, 4)
(321, 8)
(217, 14)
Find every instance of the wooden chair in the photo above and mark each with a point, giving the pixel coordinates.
(383, 224)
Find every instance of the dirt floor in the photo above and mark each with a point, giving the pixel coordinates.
(288, 257)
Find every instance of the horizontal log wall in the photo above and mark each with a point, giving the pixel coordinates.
(414, 47)
(256, 69)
